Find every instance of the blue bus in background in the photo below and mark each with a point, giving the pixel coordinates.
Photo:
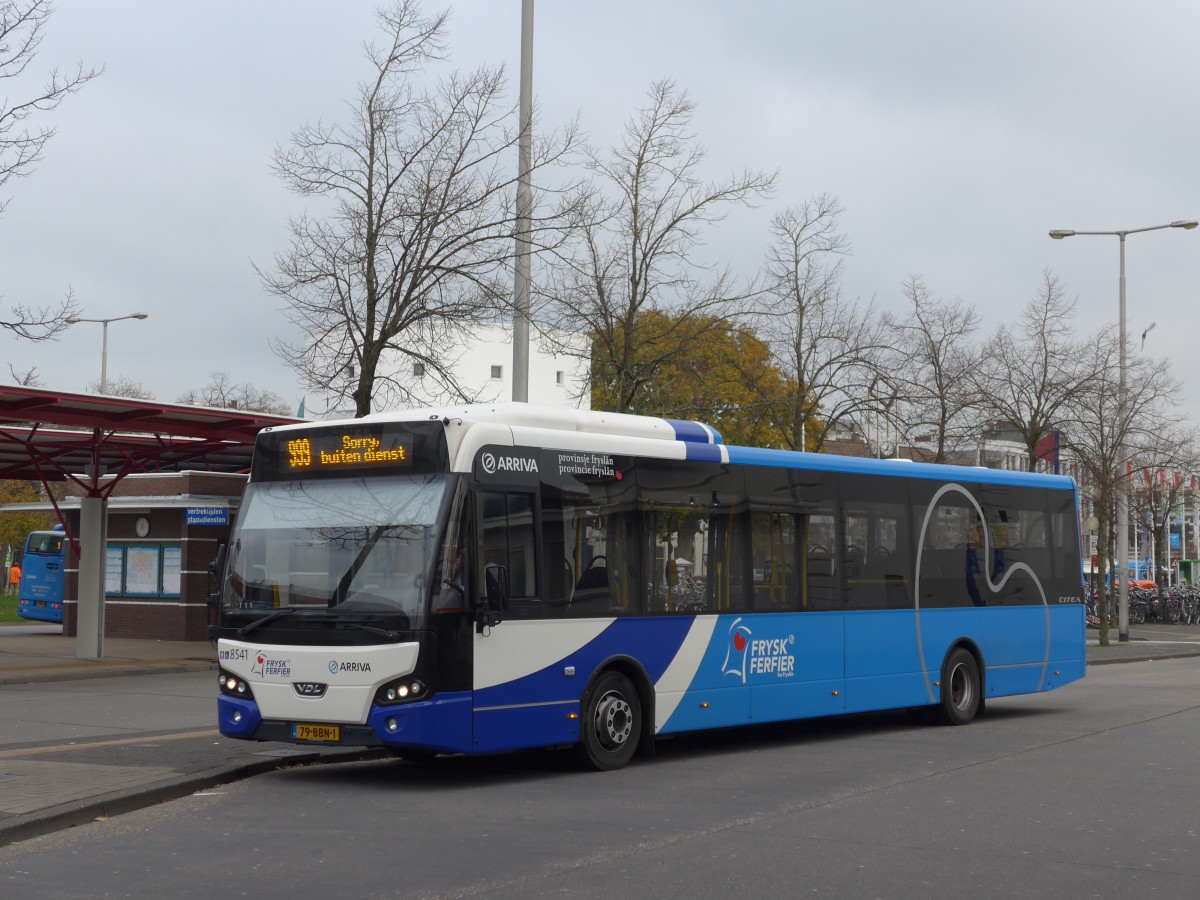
(41, 593)
(477, 579)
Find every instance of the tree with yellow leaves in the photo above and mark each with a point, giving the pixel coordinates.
(721, 374)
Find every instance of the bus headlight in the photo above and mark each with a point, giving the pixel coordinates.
(404, 690)
(234, 686)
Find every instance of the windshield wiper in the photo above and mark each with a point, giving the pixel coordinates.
(278, 614)
(392, 636)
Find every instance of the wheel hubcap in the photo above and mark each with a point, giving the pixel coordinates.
(962, 691)
(614, 720)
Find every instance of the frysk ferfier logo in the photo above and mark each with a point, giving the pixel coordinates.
(746, 655)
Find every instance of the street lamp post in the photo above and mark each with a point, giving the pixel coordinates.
(93, 532)
(104, 344)
(1122, 401)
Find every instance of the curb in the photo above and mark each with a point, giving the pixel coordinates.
(1142, 658)
(81, 812)
(74, 672)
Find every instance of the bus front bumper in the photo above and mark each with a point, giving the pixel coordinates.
(442, 724)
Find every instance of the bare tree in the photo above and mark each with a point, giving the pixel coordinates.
(28, 378)
(421, 214)
(1102, 429)
(22, 23)
(1031, 372)
(122, 386)
(931, 366)
(222, 391)
(40, 323)
(1164, 458)
(830, 347)
(632, 251)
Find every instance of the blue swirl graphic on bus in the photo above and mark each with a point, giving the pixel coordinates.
(993, 586)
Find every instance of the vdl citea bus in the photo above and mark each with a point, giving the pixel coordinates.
(40, 595)
(481, 579)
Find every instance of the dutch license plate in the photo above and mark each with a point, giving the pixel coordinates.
(39, 602)
(316, 732)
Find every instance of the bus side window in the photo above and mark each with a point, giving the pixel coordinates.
(820, 569)
(773, 539)
(1019, 542)
(694, 536)
(506, 538)
(587, 566)
(949, 574)
(560, 550)
(877, 548)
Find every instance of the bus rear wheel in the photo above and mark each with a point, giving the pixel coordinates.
(961, 693)
(612, 723)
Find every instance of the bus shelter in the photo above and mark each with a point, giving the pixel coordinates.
(94, 442)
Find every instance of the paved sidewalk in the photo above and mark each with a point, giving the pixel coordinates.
(86, 739)
(32, 654)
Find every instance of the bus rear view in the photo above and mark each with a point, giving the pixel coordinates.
(41, 590)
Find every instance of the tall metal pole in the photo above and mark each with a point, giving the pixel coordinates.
(1122, 402)
(1122, 480)
(104, 340)
(521, 304)
(104, 358)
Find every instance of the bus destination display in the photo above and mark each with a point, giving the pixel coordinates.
(325, 451)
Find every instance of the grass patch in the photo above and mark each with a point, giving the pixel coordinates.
(8, 610)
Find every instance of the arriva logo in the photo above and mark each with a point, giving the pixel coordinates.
(335, 667)
(493, 464)
(745, 655)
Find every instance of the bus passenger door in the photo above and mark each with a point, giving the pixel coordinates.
(522, 695)
(795, 660)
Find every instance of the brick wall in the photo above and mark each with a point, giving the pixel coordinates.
(160, 499)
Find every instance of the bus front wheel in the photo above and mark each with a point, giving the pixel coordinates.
(612, 722)
(961, 693)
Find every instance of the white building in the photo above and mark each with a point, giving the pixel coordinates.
(482, 367)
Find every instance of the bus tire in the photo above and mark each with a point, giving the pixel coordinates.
(961, 693)
(612, 723)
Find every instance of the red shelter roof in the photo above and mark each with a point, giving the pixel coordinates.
(53, 436)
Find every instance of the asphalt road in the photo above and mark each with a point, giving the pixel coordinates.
(1090, 791)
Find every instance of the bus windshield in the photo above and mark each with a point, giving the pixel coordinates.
(339, 546)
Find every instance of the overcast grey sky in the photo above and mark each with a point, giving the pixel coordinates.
(955, 135)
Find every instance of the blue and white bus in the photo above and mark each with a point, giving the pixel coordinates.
(40, 596)
(479, 579)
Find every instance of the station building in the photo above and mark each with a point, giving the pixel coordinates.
(163, 531)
